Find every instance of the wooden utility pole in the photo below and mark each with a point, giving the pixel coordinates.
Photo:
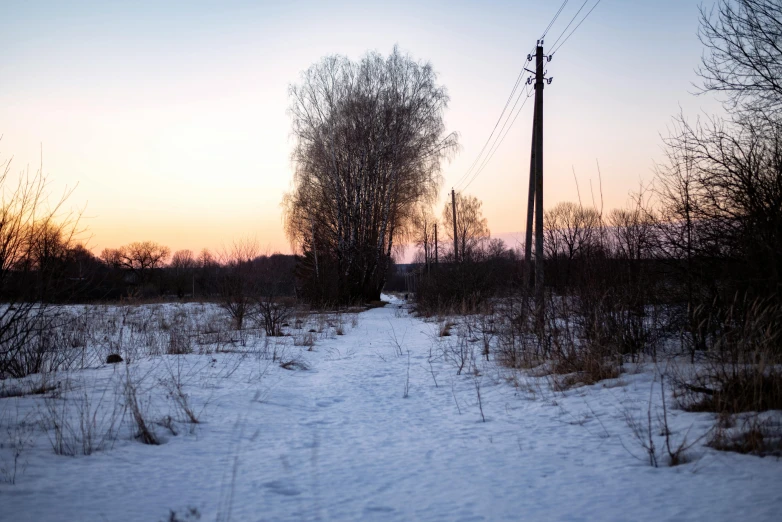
(535, 200)
(436, 260)
(530, 213)
(455, 235)
(539, 179)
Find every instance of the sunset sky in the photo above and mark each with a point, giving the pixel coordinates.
(170, 118)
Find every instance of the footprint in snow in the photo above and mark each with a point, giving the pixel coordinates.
(281, 488)
(330, 402)
(378, 509)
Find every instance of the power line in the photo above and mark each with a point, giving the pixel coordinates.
(574, 29)
(569, 24)
(500, 137)
(498, 144)
(510, 97)
(554, 19)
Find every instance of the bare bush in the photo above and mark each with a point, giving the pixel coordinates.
(517, 344)
(406, 393)
(79, 421)
(174, 383)
(238, 280)
(274, 312)
(753, 434)
(648, 426)
(577, 353)
(741, 371)
(461, 352)
(19, 433)
(179, 341)
(476, 380)
(34, 241)
(138, 410)
(396, 341)
(739, 376)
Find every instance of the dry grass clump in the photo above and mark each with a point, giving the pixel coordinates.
(293, 364)
(747, 390)
(583, 367)
(753, 435)
(444, 329)
(740, 378)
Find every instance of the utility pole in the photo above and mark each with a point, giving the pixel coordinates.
(530, 213)
(436, 260)
(455, 235)
(535, 200)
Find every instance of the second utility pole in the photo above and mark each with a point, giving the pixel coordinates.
(436, 258)
(455, 235)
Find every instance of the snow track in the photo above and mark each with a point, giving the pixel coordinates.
(339, 441)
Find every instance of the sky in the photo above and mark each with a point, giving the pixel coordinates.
(169, 119)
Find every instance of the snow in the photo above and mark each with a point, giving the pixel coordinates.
(340, 441)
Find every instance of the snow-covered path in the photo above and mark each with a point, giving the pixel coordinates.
(341, 442)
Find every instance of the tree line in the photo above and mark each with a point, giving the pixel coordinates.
(41, 260)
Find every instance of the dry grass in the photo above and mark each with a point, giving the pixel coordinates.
(444, 328)
(293, 364)
(753, 435)
(582, 368)
(740, 378)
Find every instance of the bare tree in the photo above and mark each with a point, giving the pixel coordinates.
(183, 266)
(142, 259)
(633, 232)
(111, 257)
(370, 139)
(423, 233)
(743, 40)
(721, 188)
(472, 229)
(34, 240)
(237, 282)
(572, 232)
(496, 248)
(144, 256)
(207, 267)
(274, 308)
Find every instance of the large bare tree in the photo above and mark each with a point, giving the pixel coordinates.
(424, 224)
(142, 258)
(721, 186)
(471, 227)
(369, 142)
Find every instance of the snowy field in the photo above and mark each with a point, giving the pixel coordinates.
(371, 422)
